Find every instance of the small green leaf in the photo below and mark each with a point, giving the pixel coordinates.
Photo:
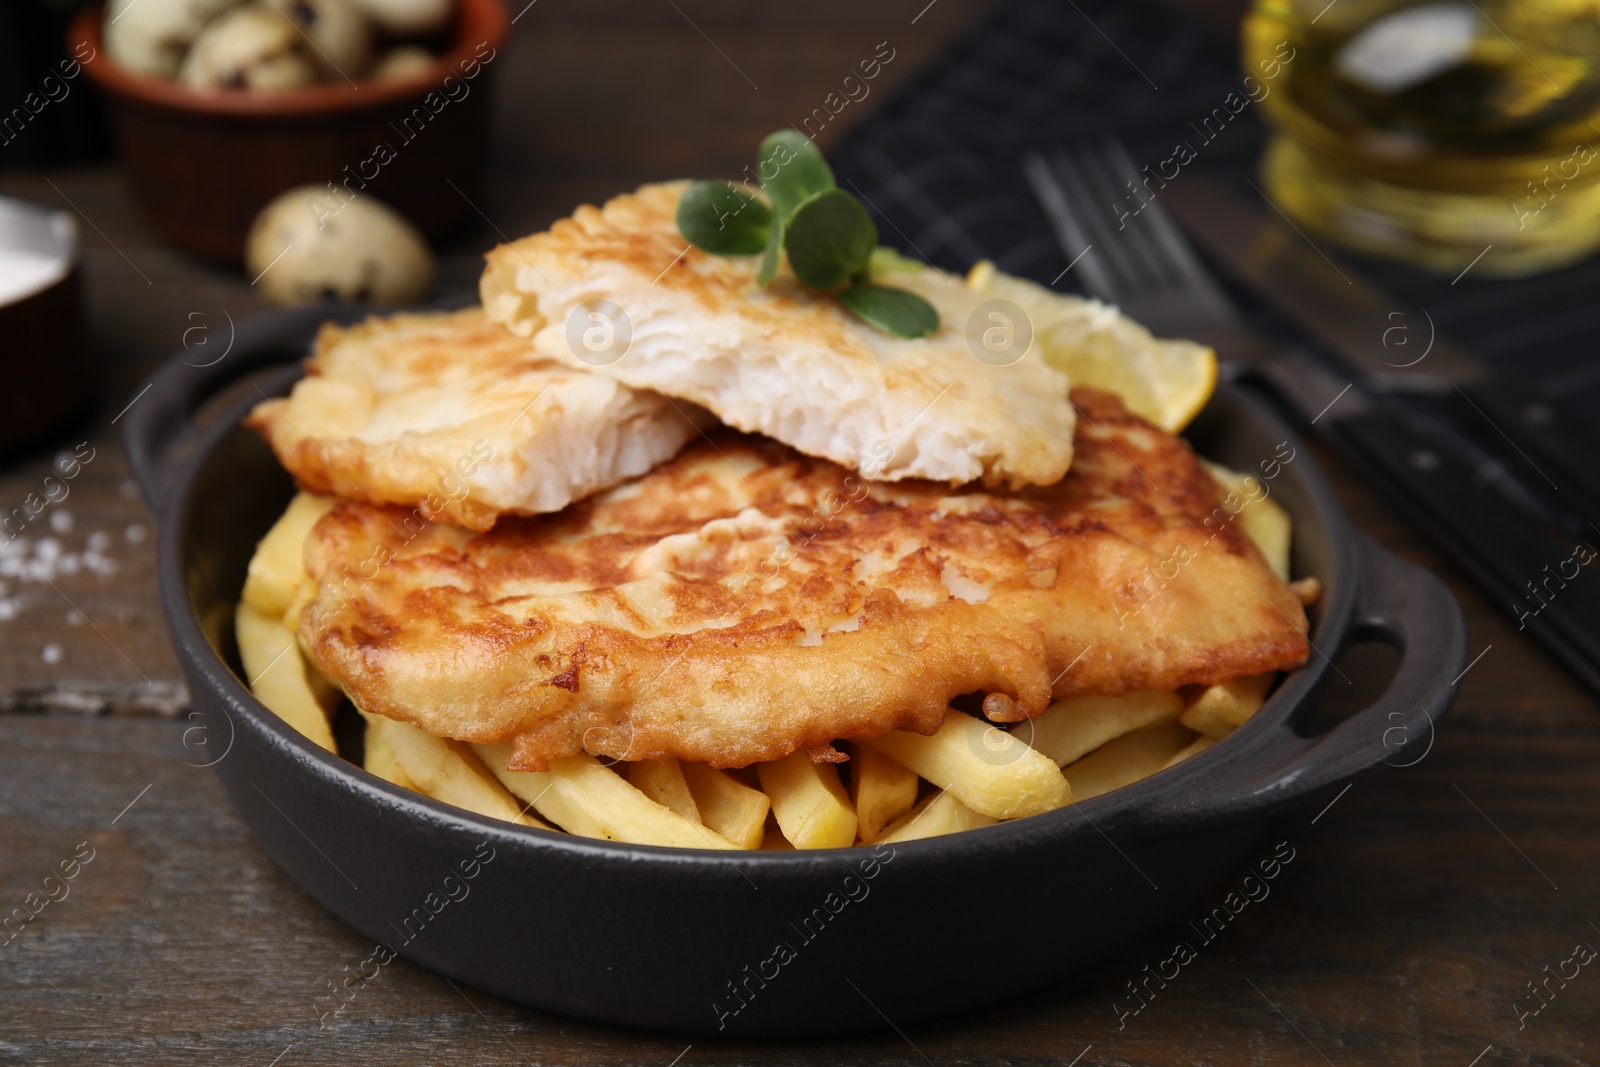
(829, 239)
(886, 260)
(723, 219)
(792, 171)
(894, 311)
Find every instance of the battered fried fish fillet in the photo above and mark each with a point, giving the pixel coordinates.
(782, 361)
(744, 601)
(452, 415)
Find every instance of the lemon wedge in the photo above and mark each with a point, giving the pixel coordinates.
(1165, 382)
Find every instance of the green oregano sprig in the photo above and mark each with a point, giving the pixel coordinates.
(830, 239)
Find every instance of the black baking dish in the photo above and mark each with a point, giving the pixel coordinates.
(688, 940)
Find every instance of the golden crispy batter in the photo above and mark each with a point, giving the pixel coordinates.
(450, 414)
(744, 601)
(783, 361)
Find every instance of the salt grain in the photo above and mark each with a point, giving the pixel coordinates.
(61, 521)
(135, 533)
(75, 617)
(27, 561)
(51, 654)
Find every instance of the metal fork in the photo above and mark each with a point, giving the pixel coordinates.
(1135, 257)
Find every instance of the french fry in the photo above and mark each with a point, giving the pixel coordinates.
(1261, 517)
(1269, 527)
(732, 809)
(447, 770)
(1070, 729)
(1203, 718)
(987, 769)
(1126, 759)
(1195, 747)
(940, 813)
(662, 781)
(278, 676)
(380, 759)
(809, 802)
(1221, 709)
(1308, 589)
(584, 797)
(772, 839)
(880, 789)
(278, 567)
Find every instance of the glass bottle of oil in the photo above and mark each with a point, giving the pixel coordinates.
(1437, 132)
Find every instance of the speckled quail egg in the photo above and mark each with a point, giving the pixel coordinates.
(312, 244)
(151, 36)
(340, 35)
(249, 48)
(407, 61)
(408, 18)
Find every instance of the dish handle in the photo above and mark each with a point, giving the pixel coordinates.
(1399, 604)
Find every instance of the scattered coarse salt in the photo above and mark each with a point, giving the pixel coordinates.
(28, 561)
(75, 617)
(135, 533)
(61, 521)
(51, 654)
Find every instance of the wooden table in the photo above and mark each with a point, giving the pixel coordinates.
(1418, 906)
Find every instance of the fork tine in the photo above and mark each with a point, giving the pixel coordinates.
(1085, 202)
(1150, 276)
(1068, 224)
(1143, 265)
(1183, 266)
(1139, 258)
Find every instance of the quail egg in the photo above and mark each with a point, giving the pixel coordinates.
(406, 61)
(249, 48)
(317, 242)
(151, 36)
(408, 18)
(340, 35)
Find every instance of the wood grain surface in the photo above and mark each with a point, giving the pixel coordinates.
(1416, 910)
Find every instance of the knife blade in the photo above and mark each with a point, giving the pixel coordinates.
(1352, 321)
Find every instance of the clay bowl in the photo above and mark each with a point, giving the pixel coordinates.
(202, 164)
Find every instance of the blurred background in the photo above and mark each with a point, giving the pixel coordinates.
(1439, 154)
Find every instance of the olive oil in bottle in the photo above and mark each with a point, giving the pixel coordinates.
(1437, 132)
